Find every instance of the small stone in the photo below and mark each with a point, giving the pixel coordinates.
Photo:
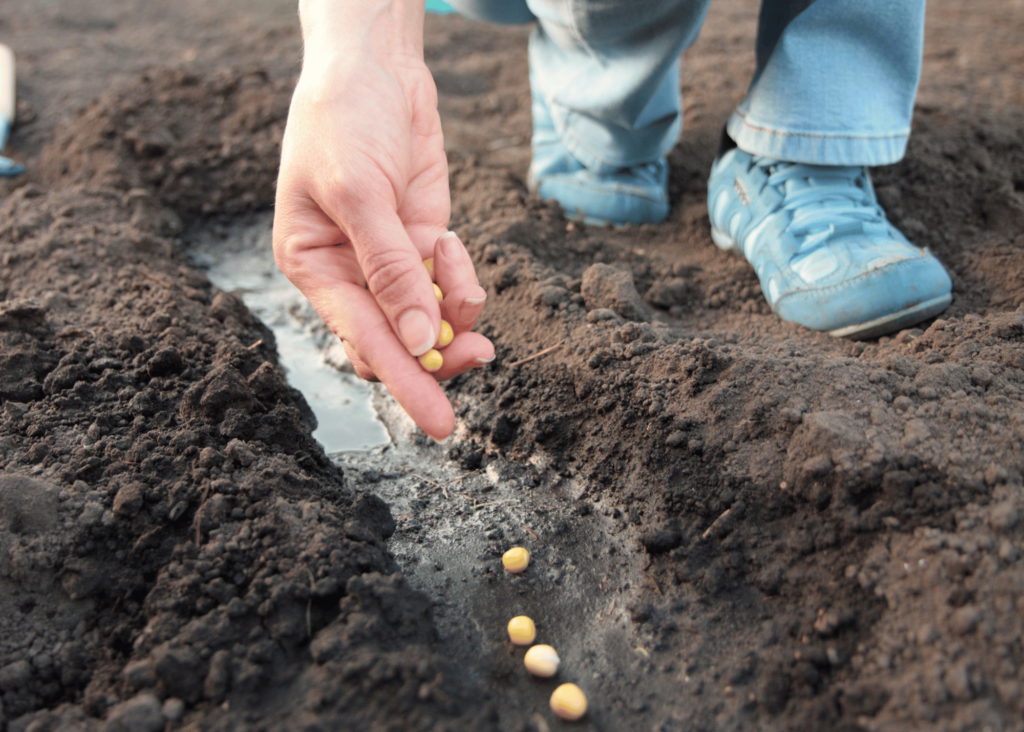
(173, 709)
(128, 500)
(139, 714)
(817, 467)
(966, 619)
(995, 474)
(15, 675)
(1003, 516)
(926, 635)
(676, 439)
(240, 453)
(91, 515)
(598, 315)
(958, 683)
(164, 362)
(1007, 551)
(178, 670)
(139, 674)
(219, 677)
(605, 286)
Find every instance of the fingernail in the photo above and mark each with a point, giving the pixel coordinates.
(416, 331)
(470, 308)
(484, 360)
(450, 244)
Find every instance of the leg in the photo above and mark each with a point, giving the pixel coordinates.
(833, 92)
(606, 103)
(604, 75)
(835, 83)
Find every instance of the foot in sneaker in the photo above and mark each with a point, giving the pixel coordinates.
(825, 254)
(636, 195)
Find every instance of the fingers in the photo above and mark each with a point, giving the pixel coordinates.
(462, 306)
(395, 275)
(362, 370)
(376, 352)
(452, 263)
(456, 276)
(467, 351)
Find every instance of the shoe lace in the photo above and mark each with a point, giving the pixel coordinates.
(822, 201)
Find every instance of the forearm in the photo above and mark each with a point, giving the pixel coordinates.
(379, 26)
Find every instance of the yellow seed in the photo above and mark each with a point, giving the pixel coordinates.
(516, 560)
(429, 264)
(438, 294)
(541, 661)
(446, 334)
(521, 630)
(569, 702)
(432, 360)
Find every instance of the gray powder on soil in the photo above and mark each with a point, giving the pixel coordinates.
(736, 523)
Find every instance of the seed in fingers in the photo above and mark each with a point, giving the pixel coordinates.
(447, 334)
(432, 360)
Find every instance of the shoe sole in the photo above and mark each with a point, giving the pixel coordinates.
(869, 328)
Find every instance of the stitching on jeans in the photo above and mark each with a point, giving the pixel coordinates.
(756, 128)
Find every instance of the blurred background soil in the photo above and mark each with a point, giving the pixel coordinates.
(736, 523)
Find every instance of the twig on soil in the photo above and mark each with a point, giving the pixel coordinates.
(159, 280)
(542, 724)
(309, 605)
(533, 534)
(656, 586)
(538, 354)
(476, 501)
(199, 524)
(434, 483)
(257, 344)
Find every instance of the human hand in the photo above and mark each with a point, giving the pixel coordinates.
(362, 200)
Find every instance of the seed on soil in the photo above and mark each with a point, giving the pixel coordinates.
(521, 630)
(429, 264)
(542, 660)
(438, 294)
(569, 702)
(516, 559)
(447, 334)
(432, 360)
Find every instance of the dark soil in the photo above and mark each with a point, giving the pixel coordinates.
(736, 523)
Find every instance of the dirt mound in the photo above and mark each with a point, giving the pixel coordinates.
(168, 525)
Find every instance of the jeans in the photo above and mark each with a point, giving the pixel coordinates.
(834, 85)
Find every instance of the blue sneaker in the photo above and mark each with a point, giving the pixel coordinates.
(637, 195)
(825, 254)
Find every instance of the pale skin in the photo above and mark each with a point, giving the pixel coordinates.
(362, 200)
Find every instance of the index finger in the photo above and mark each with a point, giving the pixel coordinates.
(356, 318)
(395, 275)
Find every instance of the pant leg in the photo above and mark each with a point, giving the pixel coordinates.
(505, 12)
(835, 82)
(608, 71)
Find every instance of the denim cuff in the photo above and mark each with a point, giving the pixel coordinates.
(816, 148)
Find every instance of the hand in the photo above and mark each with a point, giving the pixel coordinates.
(362, 200)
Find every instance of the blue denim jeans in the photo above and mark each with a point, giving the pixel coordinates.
(834, 85)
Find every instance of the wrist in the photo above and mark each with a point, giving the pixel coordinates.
(353, 27)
